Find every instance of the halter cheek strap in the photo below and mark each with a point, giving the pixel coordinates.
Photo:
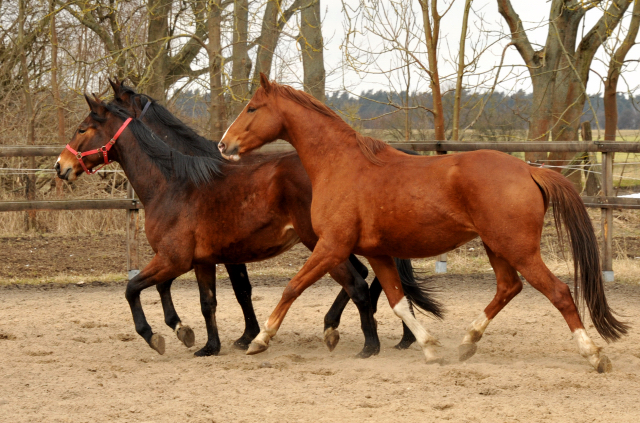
(144, 109)
(104, 149)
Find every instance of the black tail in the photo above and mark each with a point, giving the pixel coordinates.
(416, 291)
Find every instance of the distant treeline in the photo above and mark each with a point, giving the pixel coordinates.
(503, 117)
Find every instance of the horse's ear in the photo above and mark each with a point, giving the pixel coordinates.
(117, 88)
(95, 105)
(264, 82)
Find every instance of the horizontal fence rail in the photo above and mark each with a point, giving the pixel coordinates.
(606, 202)
(439, 146)
(97, 204)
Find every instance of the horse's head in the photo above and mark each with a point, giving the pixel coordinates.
(93, 136)
(259, 123)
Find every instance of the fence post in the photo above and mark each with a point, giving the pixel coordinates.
(441, 260)
(133, 226)
(607, 218)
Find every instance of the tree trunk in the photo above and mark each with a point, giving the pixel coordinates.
(268, 40)
(157, 37)
(55, 91)
(432, 34)
(560, 71)
(241, 67)
(30, 185)
(615, 67)
(312, 49)
(217, 107)
(455, 135)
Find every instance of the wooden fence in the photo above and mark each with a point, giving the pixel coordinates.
(606, 201)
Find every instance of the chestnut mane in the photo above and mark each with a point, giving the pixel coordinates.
(368, 146)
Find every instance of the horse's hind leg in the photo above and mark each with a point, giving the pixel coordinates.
(356, 287)
(540, 277)
(184, 333)
(508, 286)
(386, 271)
(407, 336)
(158, 270)
(242, 289)
(206, 276)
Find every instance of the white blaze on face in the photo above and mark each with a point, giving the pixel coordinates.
(234, 121)
(424, 338)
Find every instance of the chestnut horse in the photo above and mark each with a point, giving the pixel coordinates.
(178, 135)
(187, 202)
(445, 202)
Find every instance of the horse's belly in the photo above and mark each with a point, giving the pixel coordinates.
(415, 243)
(258, 247)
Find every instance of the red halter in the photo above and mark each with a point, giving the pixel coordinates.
(104, 150)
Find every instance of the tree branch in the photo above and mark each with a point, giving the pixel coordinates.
(518, 36)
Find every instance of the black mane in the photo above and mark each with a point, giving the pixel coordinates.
(170, 161)
(181, 136)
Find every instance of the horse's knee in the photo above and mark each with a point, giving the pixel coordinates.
(208, 306)
(131, 293)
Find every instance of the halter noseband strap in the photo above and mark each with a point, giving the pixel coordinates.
(104, 149)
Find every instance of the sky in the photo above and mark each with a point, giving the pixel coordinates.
(534, 15)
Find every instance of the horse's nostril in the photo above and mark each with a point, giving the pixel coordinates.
(57, 167)
(222, 146)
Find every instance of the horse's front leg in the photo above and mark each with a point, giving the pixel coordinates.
(242, 288)
(183, 332)
(333, 316)
(325, 257)
(206, 276)
(157, 271)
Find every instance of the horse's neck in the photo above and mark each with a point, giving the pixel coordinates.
(172, 138)
(145, 177)
(323, 144)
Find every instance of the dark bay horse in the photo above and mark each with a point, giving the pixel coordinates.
(445, 202)
(186, 214)
(178, 135)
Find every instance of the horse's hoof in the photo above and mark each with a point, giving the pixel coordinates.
(242, 343)
(435, 360)
(157, 343)
(186, 335)
(368, 351)
(404, 343)
(466, 351)
(256, 347)
(604, 365)
(331, 338)
(207, 351)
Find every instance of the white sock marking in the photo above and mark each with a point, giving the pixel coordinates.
(423, 337)
(587, 348)
(476, 329)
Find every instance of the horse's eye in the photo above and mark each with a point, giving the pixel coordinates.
(82, 131)
(251, 109)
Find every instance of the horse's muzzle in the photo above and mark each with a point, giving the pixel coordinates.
(63, 175)
(229, 153)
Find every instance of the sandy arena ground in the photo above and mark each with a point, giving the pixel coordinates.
(71, 354)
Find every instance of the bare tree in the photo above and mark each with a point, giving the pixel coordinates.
(613, 75)
(312, 50)
(560, 70)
